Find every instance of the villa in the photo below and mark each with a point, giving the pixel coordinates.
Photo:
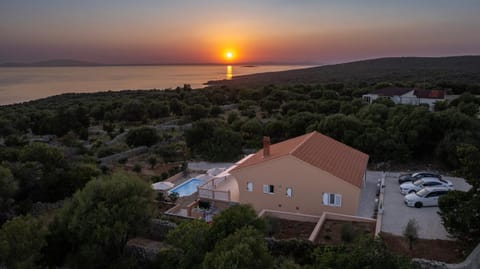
(311, 174)
(407, 96)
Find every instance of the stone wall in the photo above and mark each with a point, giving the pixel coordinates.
(122, 155)
(40, 208)
(160, 228)
(143, 250)
(471, 262)
(429, 264)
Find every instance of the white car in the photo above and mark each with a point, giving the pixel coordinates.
(425, 197)
(409, 187)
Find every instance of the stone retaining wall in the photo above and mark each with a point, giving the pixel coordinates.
(126, 154)
(471, 262)
(160, 228)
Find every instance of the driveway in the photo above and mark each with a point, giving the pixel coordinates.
(396, 213)
(368, 194)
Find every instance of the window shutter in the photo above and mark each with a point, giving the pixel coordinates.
(266, 188)
(249, 186)
(289, 192)
(338, 199)
(325, 198)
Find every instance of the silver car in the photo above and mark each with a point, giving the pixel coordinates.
(425, 197)
(409, 187)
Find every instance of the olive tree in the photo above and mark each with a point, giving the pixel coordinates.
(21, 241)
(93, 228)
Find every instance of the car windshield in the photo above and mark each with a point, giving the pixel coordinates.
(422, 192)
(418, 182)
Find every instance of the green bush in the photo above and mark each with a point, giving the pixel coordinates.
(144, 136)
(173, 197)
(137, 168)
(348, 233)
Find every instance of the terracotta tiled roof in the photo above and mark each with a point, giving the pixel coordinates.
(430, 94)
(392, 91)
(321, 151)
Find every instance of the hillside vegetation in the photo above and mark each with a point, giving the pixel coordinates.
(454, 70)
(53, 151)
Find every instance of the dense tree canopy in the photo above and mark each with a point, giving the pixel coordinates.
(144, 136)
(245, 248)
(460, 211)
(8, 188)
(92, 229)
(21, 241)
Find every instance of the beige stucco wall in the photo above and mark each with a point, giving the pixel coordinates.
(308, 183)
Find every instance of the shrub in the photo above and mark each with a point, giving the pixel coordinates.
(411, 232)
(272, 225)
(173, 197)
(137, 168)
(156, 179)
(144, 136)
(160, 196)
(348, 233)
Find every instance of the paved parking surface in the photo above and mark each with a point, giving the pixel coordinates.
(396, 213)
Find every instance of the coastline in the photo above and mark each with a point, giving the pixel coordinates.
(24, 84)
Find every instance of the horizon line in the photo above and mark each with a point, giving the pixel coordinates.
(80, 63)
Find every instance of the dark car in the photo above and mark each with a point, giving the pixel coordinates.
(412, 177)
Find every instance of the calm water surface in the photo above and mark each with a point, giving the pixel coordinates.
(19, 84)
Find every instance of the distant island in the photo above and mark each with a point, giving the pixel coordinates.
(52, 63)
(73, 62)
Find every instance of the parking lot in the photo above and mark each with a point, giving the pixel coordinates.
(396, 213)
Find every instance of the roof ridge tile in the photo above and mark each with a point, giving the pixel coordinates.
(303, 142)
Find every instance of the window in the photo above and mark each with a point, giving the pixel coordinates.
(332, 199)
(268, 189)
(289, 192)
(249, 186)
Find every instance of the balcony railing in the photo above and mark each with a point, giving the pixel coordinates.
(208, 190)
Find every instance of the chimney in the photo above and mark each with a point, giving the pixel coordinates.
(266, 146)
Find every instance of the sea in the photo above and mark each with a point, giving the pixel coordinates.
(20, 84)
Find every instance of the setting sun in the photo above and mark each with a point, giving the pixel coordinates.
(229, 54)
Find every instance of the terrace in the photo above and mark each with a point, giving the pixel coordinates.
(222, 187)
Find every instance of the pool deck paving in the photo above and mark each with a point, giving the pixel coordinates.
(204, 166)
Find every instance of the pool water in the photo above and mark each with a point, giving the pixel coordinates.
(187, 188)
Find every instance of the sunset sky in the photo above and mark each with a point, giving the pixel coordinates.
(274, 31)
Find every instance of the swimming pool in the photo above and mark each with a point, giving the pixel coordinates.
(187, 188)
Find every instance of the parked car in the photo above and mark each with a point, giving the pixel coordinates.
(409, 187)
(425, 197)
(412, 177)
